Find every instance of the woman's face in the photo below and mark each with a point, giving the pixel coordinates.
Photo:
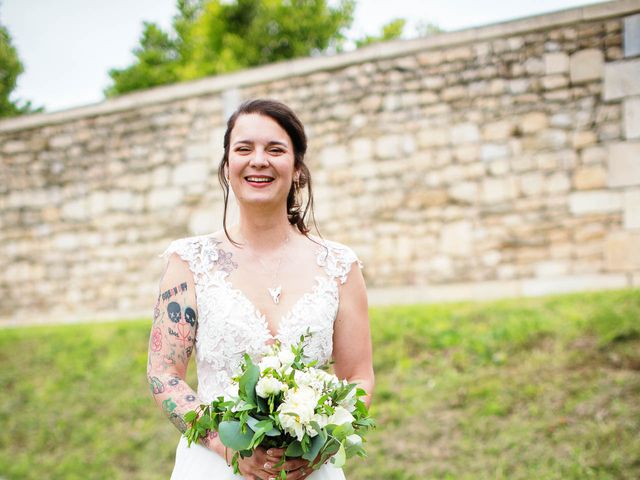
(261, 160)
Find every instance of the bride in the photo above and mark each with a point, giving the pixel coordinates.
(262, 280)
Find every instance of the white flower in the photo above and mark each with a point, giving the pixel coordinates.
(341, 416)
(303, 379)
(354, 439)
(268, 386)
(349, 402)
(297, 411)
(269, 361)
(325, 378)
(286, 358)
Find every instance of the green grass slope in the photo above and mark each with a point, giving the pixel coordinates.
(545, 388)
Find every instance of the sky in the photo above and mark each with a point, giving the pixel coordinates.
(68, 46)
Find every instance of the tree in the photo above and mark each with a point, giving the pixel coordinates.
(389, 31)
(217, 36)
(10, 69)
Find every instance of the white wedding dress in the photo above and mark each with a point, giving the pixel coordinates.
(229, 326)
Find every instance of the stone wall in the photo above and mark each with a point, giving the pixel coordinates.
(495, 161)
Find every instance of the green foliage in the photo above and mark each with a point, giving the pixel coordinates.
(515, 389)
(216, 36)
(389, 31)
(10, 69)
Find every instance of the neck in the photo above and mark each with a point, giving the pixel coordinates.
(263, 231)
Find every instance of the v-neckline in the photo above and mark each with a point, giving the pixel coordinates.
(258, 314)
(286, 315)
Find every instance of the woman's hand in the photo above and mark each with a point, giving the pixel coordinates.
(262, 465)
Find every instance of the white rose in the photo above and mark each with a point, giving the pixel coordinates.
(286, 358)
(269, 362)
(268, 386)
(341, 416)
(303, 379)
(297, 410)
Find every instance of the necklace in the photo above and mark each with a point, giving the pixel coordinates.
(276, 290)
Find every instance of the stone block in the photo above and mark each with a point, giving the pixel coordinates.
(589, 178)
(501, 130)
(534, 122)
(464, 192)
(198, 152)
(494, 151)
(621, 79)
(456, 238)
(586, 65)
(433, 137)
(632, 210)
(632, 35)
(164, 198)
(190, 172)
(496, 190)
(624, 164)
(531, 184)
(632, 117)
(388, 146)
(557, 182)
(361, 148)
(123, 200)
(556, 62)
(334, 156)
(465, 133)
(597, 201)
(466, 153)
(498, 168)
(551, 268)
(75, 209)
(583, 138)
(61, 141)
(203, 220)
(621, 251)
(572, 283)
(593, 155)
(554, 82)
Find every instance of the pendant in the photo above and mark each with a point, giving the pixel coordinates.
(275, 293)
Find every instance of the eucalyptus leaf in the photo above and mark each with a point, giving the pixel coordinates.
(339, 458)
(294, 449)
(248, 381)
(317, 443)
(232, 436)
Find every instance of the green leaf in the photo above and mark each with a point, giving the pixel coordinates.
(232, 436)
(190, 416)
(316, 444)
(294, 449)
(339, 458)
(248, 380)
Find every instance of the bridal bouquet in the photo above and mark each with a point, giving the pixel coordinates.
(285, 402)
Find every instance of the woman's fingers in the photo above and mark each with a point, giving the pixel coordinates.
(274, 455)
(295, 464)
(299, 473)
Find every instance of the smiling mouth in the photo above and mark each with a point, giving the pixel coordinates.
(259, 179)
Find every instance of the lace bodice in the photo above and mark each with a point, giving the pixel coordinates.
(229, 325)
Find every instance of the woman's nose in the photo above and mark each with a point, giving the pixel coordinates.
(259, 158)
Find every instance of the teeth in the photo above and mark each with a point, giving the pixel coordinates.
(259, 179)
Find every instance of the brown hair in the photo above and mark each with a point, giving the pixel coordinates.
(290, 123)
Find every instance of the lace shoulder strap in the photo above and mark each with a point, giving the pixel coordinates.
(201, 253)
(336, 259)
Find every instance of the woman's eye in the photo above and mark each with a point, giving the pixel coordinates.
(276, 151)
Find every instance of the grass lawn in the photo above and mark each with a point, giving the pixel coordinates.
(545, 388)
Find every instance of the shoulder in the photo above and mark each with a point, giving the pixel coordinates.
(189, 247)
(337, 258)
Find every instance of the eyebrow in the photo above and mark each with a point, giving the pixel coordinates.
(272, 142)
